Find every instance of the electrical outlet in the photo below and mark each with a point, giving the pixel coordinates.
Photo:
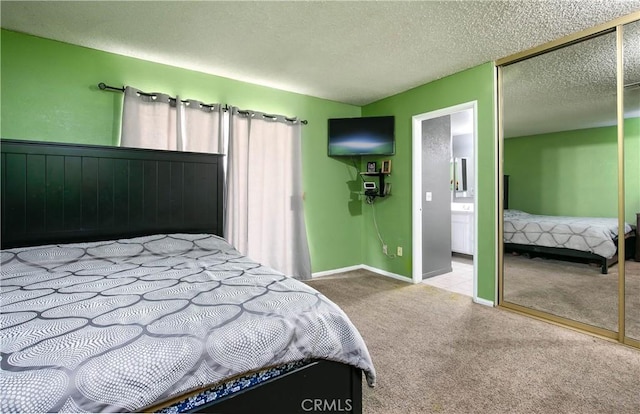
(384, 248)
(399, 251)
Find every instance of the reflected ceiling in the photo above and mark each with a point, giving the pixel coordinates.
(571, 88)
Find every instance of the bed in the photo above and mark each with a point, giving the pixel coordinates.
(587, 239)
(118, 294)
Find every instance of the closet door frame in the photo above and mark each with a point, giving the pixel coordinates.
(616, 26)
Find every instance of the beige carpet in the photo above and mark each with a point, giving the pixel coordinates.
(574, 290)
(437, 352)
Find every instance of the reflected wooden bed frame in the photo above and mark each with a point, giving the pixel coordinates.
(56, 193)
(572, 255)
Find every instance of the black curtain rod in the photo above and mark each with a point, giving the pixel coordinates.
(103, 87)
(240, 111)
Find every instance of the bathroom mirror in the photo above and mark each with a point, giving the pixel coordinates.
(462, 170)
(460, 176)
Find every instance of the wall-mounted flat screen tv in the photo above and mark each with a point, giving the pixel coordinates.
(361, 136)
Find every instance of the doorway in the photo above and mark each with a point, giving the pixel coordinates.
(433, 206)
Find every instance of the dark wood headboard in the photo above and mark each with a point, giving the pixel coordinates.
(63, 193)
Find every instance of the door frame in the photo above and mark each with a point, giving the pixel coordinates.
(417, 187)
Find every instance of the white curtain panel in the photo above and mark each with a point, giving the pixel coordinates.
(157, 121)
(200, 127)
(148, 121)
(264, 217)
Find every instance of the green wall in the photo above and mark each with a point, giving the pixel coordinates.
(574, 173)
(393, 214)
(49, 93)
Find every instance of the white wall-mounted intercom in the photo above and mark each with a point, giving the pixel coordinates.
(369, 185)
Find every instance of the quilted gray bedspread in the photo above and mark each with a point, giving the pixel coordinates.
(119, 325)
(588, 234)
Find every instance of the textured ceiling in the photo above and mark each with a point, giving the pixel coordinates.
(573, 87)
(349, 51)
(355, 52)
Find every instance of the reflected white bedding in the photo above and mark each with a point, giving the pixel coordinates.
(590, 234)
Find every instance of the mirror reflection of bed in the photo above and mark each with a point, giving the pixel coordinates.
(561, 159)
(560, 279)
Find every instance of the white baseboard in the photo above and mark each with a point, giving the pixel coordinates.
(386, 273)
(336, 271)
(365, 267)
(484, 302)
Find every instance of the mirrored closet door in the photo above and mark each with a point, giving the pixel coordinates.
(563, 159)
(631, 53)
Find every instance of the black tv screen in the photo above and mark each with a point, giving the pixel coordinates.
(361, 136)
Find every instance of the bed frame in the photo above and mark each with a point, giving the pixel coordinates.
(56, 193)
